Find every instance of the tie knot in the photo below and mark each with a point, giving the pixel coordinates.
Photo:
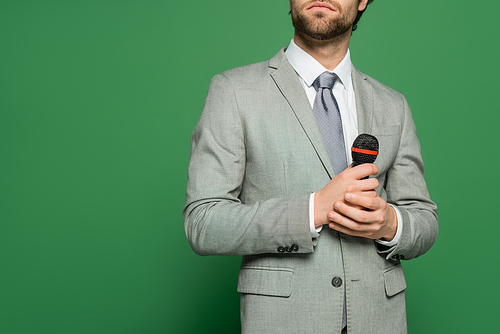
(325, 80)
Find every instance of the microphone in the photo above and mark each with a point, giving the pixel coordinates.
(364, 150)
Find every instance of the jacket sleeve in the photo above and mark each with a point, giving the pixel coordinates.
(406, 188)
(215, 219)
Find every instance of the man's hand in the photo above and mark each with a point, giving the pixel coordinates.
(349, 181)
(364, 216)
(351, 205)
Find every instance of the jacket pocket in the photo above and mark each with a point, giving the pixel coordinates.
(388, 130)
(389, 139)
(266, 281)
(394, 279)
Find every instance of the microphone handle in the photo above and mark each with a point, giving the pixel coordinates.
(357, 163)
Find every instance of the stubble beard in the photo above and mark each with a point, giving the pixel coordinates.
(320, 27)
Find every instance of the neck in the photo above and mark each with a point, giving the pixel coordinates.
(328, 53)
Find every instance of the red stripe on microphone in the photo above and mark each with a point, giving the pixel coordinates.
(360, 150)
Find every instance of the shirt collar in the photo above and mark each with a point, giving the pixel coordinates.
(309, 68)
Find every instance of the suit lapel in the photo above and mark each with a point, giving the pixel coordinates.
(288, 83)
(363, 92)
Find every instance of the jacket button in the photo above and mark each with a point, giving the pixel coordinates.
(281, 249)
(288, 249)
(337, 282)
(295, 248)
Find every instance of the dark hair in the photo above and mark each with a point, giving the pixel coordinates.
(355, 24)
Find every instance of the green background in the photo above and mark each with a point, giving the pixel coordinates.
(97, 103)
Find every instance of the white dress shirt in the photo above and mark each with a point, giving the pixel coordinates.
(308, 69)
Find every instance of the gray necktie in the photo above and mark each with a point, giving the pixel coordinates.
(327, 113)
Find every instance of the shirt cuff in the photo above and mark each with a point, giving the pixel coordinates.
(398, 230)
(314, 231)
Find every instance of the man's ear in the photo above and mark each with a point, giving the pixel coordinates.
(362, 5)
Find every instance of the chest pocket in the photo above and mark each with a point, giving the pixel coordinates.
(389, 138)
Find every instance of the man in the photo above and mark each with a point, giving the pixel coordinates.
(267, 179)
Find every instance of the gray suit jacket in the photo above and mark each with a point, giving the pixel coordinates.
(256, 156)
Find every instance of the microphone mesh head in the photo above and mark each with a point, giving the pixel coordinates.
(365, 142)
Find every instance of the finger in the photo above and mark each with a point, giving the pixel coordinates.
(345, 225)
(345, 230)
(369, 202)
(364, 170)
(355, 206)
(370, 193)
(361, 186)
(358, 215)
